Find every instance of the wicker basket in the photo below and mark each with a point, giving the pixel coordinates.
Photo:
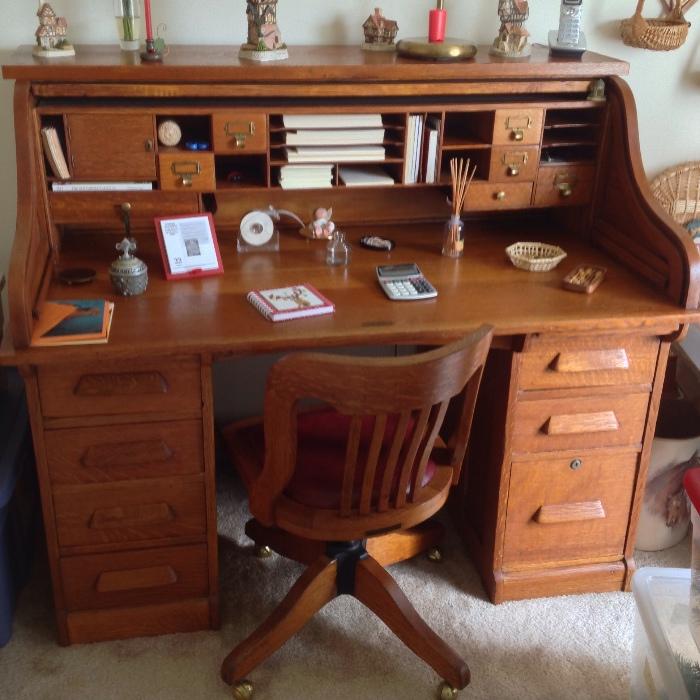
(535, 257)
(678, 191)
(655, 34)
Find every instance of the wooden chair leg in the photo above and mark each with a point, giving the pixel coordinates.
(285, 543)
(405, 544)
(376, 589)
(313, 589)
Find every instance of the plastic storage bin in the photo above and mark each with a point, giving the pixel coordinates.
(691, 481)
(19, 507)
(665, 659)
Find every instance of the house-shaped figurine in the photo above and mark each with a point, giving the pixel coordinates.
(51, 34)
(264, 37)
(380, 32)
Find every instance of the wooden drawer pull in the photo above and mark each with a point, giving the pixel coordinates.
(121, 384)
(132, 579)
(603, 422)
(131, 516)
(590, 360)
(570, 512)
(127, 454)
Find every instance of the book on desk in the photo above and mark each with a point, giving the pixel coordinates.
(287, 303)
(73, 322)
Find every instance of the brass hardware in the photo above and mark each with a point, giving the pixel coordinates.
(513, 171)
(435, 554)
(186, 170)
(514, 161)
(565, 189)
(149, 144)
(576, 464)
(263, 552)
(239, 131)
(518, 134)
(596, 91)
(447, 691)
(500, 196)
(243, 690)
(565, 183)
(125, 210)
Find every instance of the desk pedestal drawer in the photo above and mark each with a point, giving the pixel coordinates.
(135, 578)
(568, 509)
(130, 511)
(118, 388)
(582, 423)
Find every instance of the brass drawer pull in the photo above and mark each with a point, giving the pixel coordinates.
(565, 184)
(127, 454)
(578, 423)
(133, 579)
(590, 361)
(500, 196)
(186, 170)
(239, 131)
(142, 515)
(122, 384)
(513, 171)
(565, 189)
(570, 512)
(517, 135)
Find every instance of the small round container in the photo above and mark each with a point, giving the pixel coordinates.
(129, 275)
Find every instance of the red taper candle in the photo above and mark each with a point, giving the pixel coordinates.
(437, 19)
(149, 25)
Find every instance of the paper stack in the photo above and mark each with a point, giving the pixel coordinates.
(368, 176)
(304, 177)
(325, 154)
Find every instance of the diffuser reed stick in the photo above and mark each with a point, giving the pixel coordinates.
(453, 242)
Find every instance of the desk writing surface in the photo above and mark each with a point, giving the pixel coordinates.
(212, 314)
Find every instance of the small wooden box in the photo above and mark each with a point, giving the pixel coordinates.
(584, 278)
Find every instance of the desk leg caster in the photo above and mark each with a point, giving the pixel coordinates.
(447, 692)
(243, 690)
(263, 552)
(435, 554)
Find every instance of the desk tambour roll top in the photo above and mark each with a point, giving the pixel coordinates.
(562, 436)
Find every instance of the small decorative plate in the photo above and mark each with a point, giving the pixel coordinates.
(535, 257)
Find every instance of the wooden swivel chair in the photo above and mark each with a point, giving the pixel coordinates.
(347, 488)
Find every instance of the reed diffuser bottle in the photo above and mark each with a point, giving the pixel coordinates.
(453, 237)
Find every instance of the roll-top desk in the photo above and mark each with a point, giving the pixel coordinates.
(123, 432)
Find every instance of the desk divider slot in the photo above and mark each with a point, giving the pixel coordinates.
(133, 579)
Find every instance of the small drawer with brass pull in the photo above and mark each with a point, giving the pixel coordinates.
(517, 126)
(511, 195)
(187, 171)
(559, 185)
(513, 163)
(239, 132)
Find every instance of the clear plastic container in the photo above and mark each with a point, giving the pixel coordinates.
(665, 658)
(691, 481)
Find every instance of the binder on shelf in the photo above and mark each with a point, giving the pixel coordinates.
(54, 152)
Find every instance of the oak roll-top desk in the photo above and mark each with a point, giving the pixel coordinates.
(123, 432)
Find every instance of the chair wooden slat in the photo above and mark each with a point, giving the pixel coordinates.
(375, 449)
(410, 456)
(438, 415)
(393, 460)
(353, 446)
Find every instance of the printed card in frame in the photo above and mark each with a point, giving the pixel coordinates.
(189, 246)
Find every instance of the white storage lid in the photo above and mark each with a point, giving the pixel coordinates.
(662, 597)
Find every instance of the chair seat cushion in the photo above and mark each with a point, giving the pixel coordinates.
(322, 437)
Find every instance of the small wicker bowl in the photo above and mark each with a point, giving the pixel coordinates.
(535, 257)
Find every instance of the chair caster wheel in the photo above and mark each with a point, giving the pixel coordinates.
(243, 690)
(446, 691)
(263, 552)
(435, 554)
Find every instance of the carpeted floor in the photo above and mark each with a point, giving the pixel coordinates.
(570, 646)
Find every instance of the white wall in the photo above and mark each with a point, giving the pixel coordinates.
(666, 85)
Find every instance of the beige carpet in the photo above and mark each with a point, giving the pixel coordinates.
(573, 646)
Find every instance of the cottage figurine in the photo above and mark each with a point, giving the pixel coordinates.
(51, 34)
(380, 32)
(511, 41)
(264, 37)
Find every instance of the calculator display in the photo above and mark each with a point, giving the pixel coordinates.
(402, 270)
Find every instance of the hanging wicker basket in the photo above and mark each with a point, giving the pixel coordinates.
(678, 191)
(655, 34)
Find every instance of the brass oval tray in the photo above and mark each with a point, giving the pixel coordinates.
(447, 50)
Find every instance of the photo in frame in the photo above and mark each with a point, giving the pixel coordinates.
(189, 246)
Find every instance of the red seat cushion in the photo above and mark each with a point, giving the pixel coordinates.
(322, 437)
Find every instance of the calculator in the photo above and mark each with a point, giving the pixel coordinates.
(404, 282)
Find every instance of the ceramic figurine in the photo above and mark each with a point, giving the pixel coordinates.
(51, 41)
(511, 41)
(264, 37)
(380, 32)
(322, 226)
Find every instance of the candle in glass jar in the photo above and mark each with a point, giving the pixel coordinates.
(149, 25)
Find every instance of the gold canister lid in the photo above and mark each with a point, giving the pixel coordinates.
(446, 50)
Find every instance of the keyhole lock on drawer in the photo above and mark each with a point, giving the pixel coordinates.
(239, 132)
(576, 464)
(186, 170)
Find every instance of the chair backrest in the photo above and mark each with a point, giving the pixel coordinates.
(403, 401)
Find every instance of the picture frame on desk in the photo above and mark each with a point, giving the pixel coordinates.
(189, 246)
